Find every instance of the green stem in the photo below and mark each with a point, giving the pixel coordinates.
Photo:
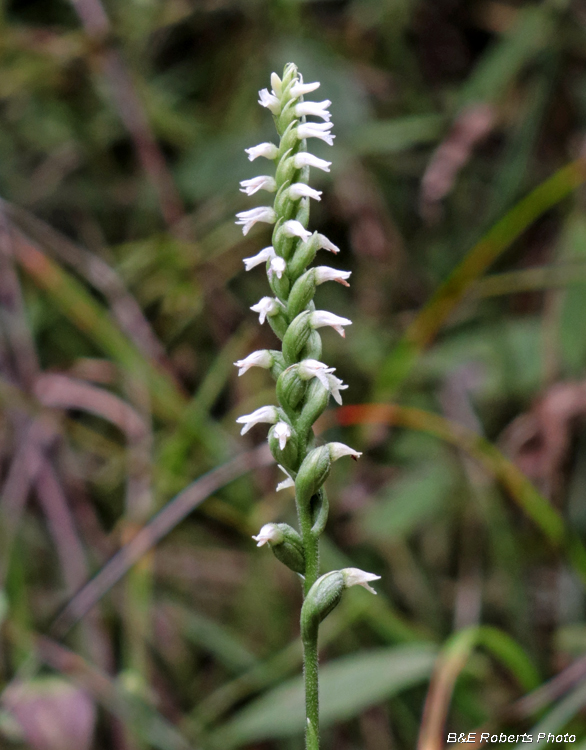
(310, 661)
(310, 673)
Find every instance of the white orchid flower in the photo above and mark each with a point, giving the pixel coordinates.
(266, 150)
(247, 219)
(321, 318)
(261, 358)
(263, 182)
(268, 414)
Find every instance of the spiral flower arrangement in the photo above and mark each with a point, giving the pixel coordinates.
(304, 383)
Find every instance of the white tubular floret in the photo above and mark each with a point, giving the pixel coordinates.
(324, 273)
(266, 150)
(247, 219)
(300, 89)
(321, 318)
(265, 254)
(277, 267)
(282, 432)
(266, 306)
(294, 228)
(319, 130)
(301, 190)
(357, 577)
(325, 244)
(263, 182)
(305, 159)
(268, 414)
(339, 450)
(314, 109)
(289, 482)
(271, 534)
(311, 368)
(261, 358)
(270, 101)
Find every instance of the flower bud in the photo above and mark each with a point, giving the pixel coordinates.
(296, 337)
(290, 391)
(312, 473)
(316, 402)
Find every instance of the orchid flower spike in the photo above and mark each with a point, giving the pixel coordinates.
(304, 383)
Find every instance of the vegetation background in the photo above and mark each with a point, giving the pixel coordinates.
(135, 610)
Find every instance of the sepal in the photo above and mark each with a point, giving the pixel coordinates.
(290, 391)
(312, 473)
(316, 401)
(296, 337)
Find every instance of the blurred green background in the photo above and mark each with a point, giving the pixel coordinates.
(455, 196)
